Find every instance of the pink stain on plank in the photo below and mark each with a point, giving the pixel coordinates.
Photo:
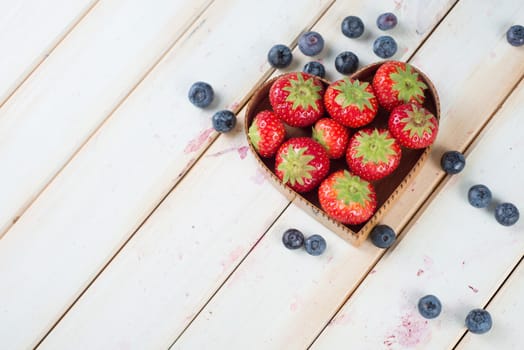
(340, 320)
(242, 152)
(259, 178)
(398, 4)
(234, 106)
(475, 290)
(372, 271)
(195, 144)
(411, 331)
(420, 272)
(232, 258)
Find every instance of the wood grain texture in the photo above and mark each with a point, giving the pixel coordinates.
(62, 103)
(349, 265)
(30, 31)
(454, 251)
(119, 177)
(506, 310)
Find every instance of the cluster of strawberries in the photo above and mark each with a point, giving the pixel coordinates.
(339, 114)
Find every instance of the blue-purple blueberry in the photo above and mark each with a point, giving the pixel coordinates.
(382, 236)
(311, 43)
(429, 306)
(315, 245)
(515, 35)
(279, 56)
(385, 46)
(201, 94)
(479, 321)
(293, 239)
(315, 68)
(224, 121)
(386, 21)
(452, 162)
(479, 196)
(352, 27)
(506, 214)
(346, 62)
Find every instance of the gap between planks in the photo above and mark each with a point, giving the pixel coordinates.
(265, 76)
(105, 120)
(39, 63)
(504, 282)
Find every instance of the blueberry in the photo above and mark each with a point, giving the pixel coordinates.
(346, 62)
(382, 236)
(311, 43)
(385, 46)
(315, 68)
(478, 321)
(279, 56)
(315, 245)
(224, 121)
(386, 21)
(452, 162)
(515, 35)
(479, 196)
(506, 214)
(352, 27)
(429, 306)
(201, 94)
(293, 239)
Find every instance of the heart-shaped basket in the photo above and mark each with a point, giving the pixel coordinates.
(388, 189)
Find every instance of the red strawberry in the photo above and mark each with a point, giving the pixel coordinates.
(373, 154)
(266, 133)
(351, 102)
(297, 98)
(332, 136)
(413, 126)
(347, 198)
(301, 163)
(396, 83)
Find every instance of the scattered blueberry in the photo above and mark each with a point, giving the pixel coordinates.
(385, 46)
(346, 62)
(515, 35)
(429, 306)
(315, 245)
(382, 236)
(386, 21)
(506, 214)
(479, 196)
(352, 27)
(315, 68)
(452, 162)
(311, 43)
(478, 321)
(224, 121)
(201, 94)
(279, 56)
(293, 239)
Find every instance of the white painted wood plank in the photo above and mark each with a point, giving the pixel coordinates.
(77, 87)
(118, 178)
(30, 29)
(138, 272)
(455, 251)
(274, 318)
(506, 311)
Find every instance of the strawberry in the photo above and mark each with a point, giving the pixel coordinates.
(266, 133)
(396, 83)
(301, 163)
(332, 136)
(347, 198)
(351, 102)
(297, 98)
(373, 154)
(413, 126)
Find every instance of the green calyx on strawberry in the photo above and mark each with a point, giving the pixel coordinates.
(396, 83)
(351, 102)
(297, 99)
(373, 154)
(332, 136)
(301, 163)
(347, 198)
(413, 126)
(266, 133)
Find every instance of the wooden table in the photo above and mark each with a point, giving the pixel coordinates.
(127, 222)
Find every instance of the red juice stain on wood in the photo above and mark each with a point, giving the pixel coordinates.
(259, 178)
(411, 331)
(420, 272)
(195, 144)
(340, 320)
(242, 151)
(475, 290)
(231, 258)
